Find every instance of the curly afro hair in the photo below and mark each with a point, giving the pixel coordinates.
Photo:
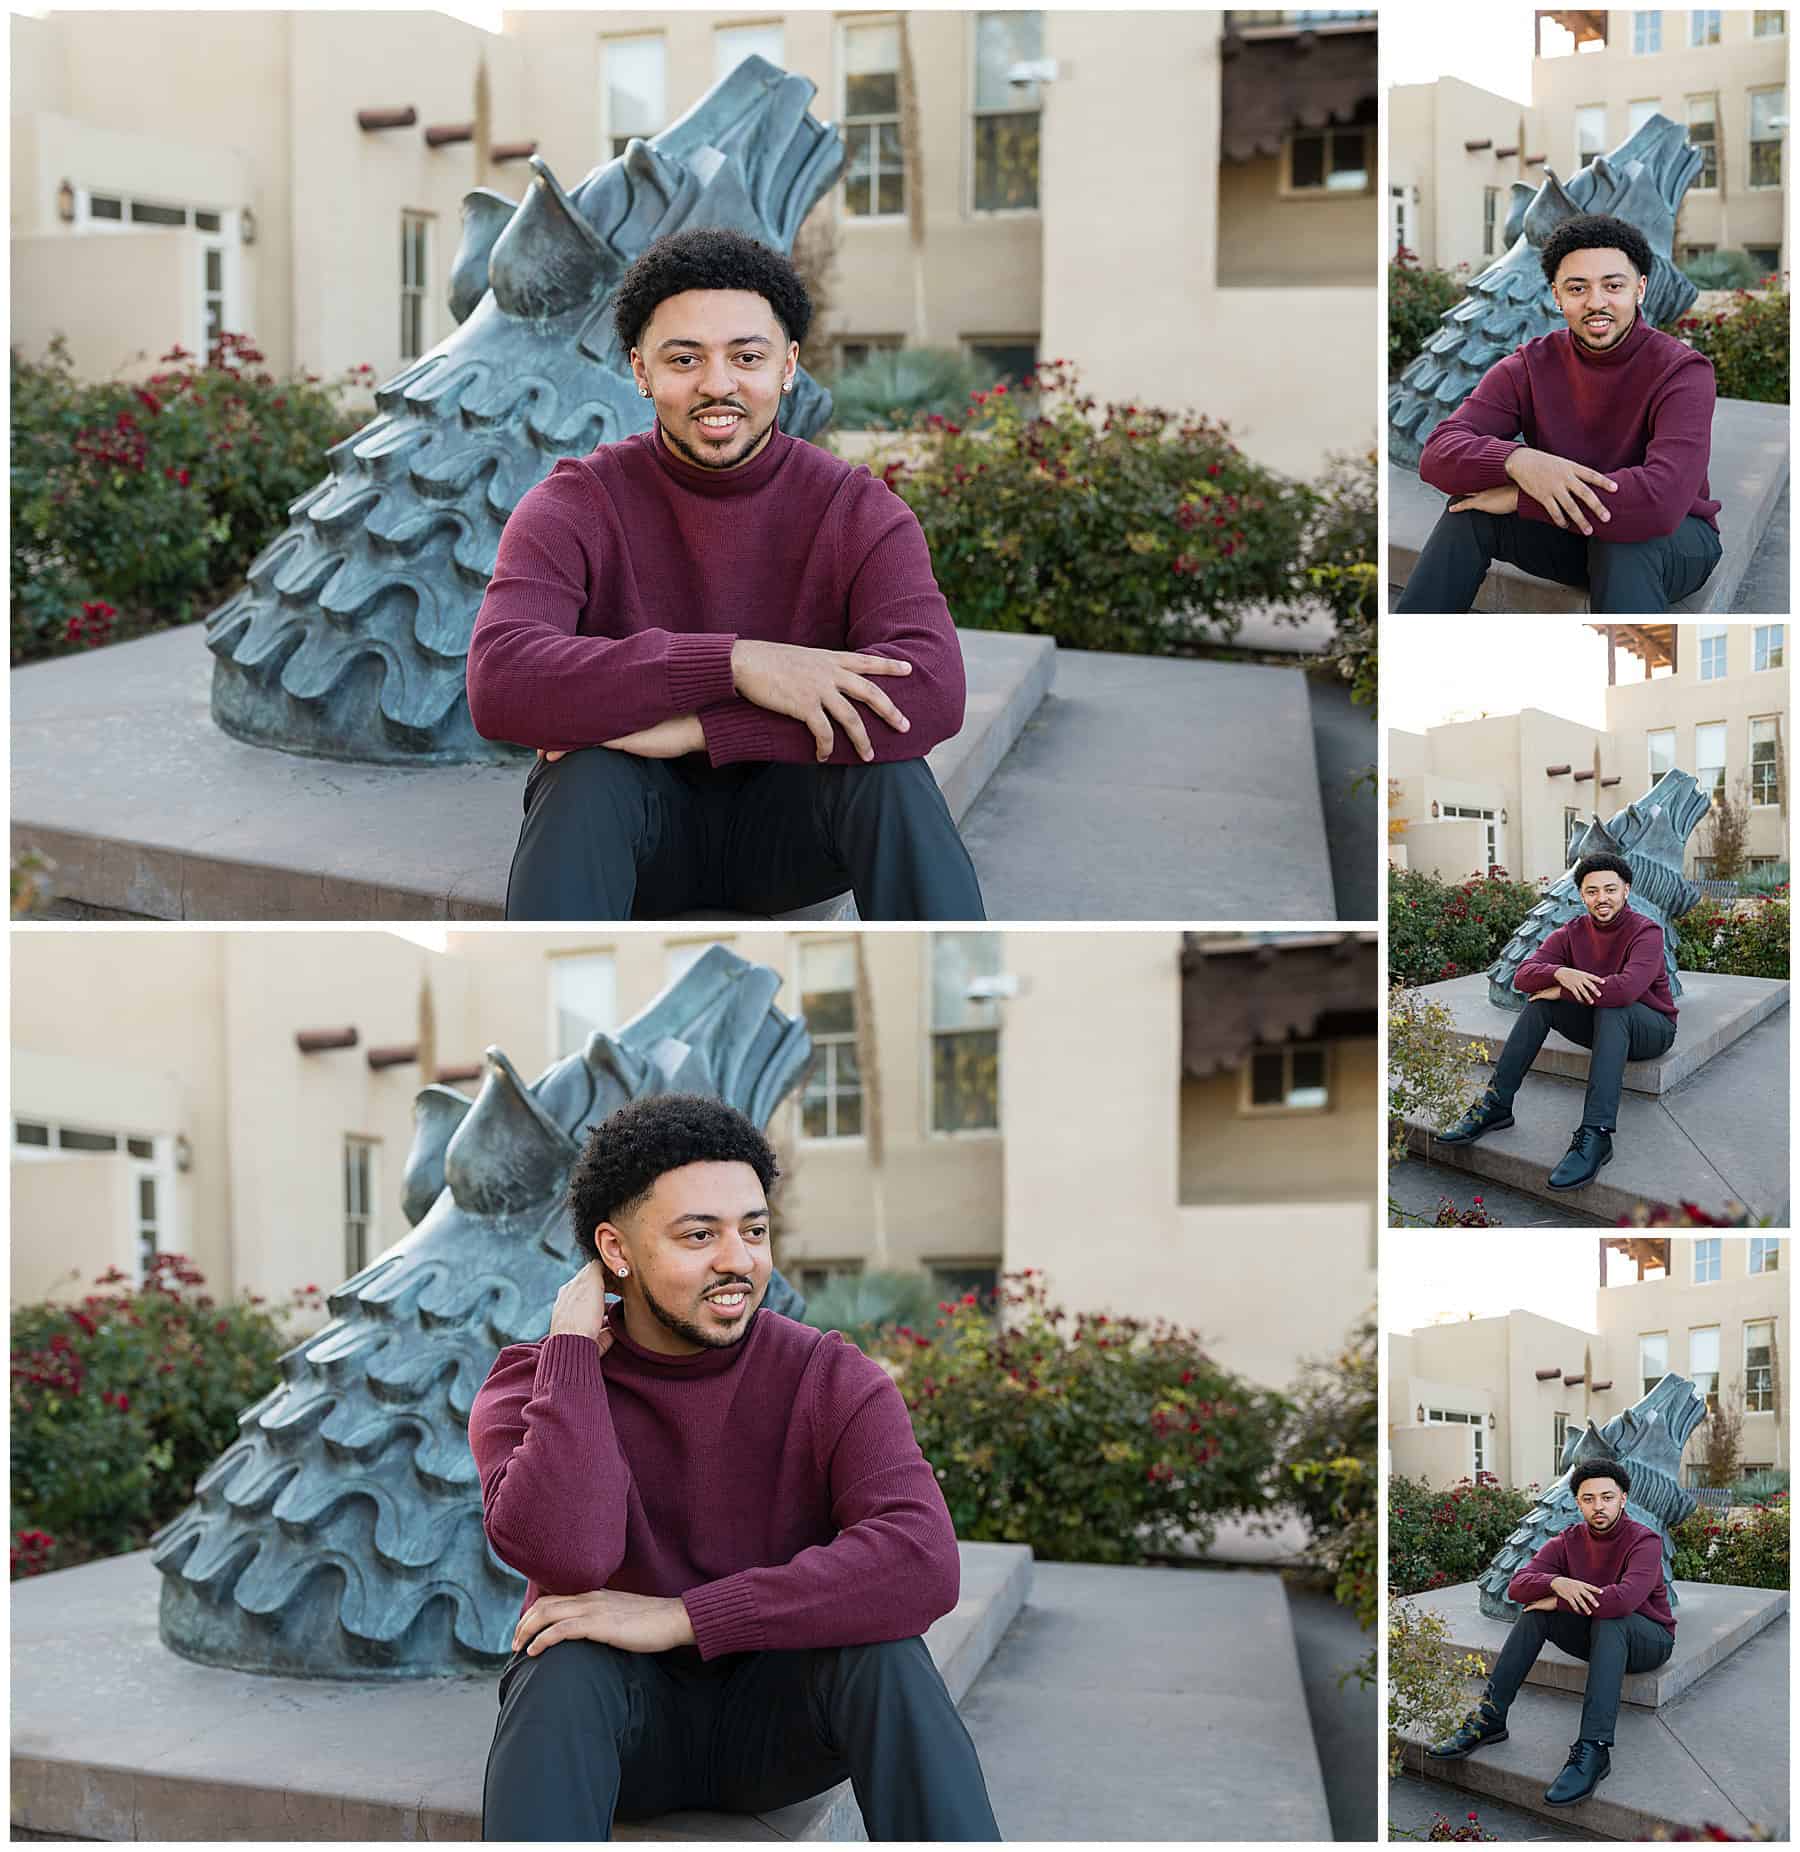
(1596, 231)
(626, 1154)
(1602, 865)
(1599, 1469)
(709, 258)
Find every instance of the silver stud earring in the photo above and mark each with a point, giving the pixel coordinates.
(643, 392)
(623, 1271)
(788, 387)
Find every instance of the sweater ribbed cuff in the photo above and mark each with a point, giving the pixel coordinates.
(737, 730)
(725, 1618)
(699, 671)
(568, 1358)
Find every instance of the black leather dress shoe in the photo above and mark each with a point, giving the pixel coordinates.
(1588, 1765)
(1483, 1725)
(1588, 1150)
(1486, 1115)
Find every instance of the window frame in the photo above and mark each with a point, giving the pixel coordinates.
(1714, 1248)
(1759, 13)
(1638, 17)
(1773, 763)
(1711, 1396)
(1581, 157)
(768, 22)
(608, 134)
(1247, 1109)
(552, 962)
(419, 291)
(1751, 142)
(1643, 1374)
(846, 26)
(827, 1045)
(1724, 765)
(1758, 1406)
(1710, 145)
(1654, 734)
(366, 1221)
(1767, 1248)
(1490, 220)
(1287, 188)
(1710, 634)
(928, 943)
(1712, 14)
(1767, 641)
(974, 111)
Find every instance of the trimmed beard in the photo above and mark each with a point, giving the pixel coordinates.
(695, 1334)
(689, 454)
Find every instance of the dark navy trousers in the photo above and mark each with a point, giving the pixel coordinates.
(1632, 1643)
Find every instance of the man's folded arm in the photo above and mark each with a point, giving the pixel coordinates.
(1467, 452)
(1639, 1576)
(1631, 982)
(1532, 1583)
(554, 1485)
(1655, 496)
(891, 1571)
(1539, 971)
(534, 680)
(894, 609)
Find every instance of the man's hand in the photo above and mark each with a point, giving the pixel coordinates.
(580, 1309)
(1489, 501)
(634, 1623)
(817, 687)
(668, 739)
(1552, 995)
(1583, 1597)
(1531, 1607)
(1583, 986)
(1566, 489)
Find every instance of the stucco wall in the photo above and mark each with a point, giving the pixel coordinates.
(73, 1221)
(1270, 239)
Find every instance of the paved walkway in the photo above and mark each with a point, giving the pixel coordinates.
(1150, 1704)
(1416, 1186)
(1413, 1806)
(1765, 583)
(1346, 1715)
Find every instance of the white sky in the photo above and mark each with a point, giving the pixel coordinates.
(1488, 46)
(1440, 1275)
(1436, 669)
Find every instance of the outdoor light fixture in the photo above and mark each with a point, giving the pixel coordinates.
(247, 226)
(1420, 1413)
(1503, 816)
(1434, 806)
(65, 203)
(1493, 1420)
(184, 1153)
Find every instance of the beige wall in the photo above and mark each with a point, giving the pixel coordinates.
(1429, 128)
(87, 1202)
(75, 287)
(1271, 239)
(1731, 216)
(1191, 342)
(1230, 1154)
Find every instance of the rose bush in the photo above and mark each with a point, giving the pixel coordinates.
(1749, 939)
(1438, 1538)
(1747, 343)
(1419, 295)
(1747, 1554)
(1439, 929)
(121, 1402)
(1093, 1439)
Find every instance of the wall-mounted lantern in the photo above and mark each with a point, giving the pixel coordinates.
(1434, 807)
(184, 1153)
(247, 226)
(1493, 1420)
(65, 203)
(1419, 1412)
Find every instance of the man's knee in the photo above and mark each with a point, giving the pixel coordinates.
(596, 775)
(890, 788)
(584, 1676)
(1610, 561)
(888, 1664)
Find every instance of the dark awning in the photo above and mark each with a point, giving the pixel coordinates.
(1242, 990)
(1304, 81)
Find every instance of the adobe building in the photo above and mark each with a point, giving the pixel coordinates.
(1500, 1395)
(298, 176)
(1167, 1126)
(1515, 791)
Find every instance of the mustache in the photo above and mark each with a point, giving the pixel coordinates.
(729, 1286)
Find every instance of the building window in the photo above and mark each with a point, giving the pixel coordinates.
(1653, 1358)
(1662, 752)
(1287, 1079)
(874, 174)
(1559, 1441)
(1766, 257)
(634, 88)
(1646, 33)
(359, 1202)
(1572, 830)
(1712, 652)
(415, 279)
(1768, 108)
(1703, 28)
(952, 1278)
(1759, 1367)
(965, 1033)
(1706, 1262)
(583, 1000)
(1765, 1254)
(1768, 646)
(855, 350)
(815, 1277)
(1461, 1418)
(733, 44)
(679, 959)
(832, 1104)
(1590, 132)
(1011, 361)
(1703, 133)
(1333, 160)
(1768, 25)
(1006, 114)
(1709, 757)
(1703, 1364)
(150, 1161)
(1765, 761)
(1640, 112)
(1490, 218)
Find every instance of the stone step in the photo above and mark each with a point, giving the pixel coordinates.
(115, 1737)
(146, 808)
(1712, 1622)
(1719, 1137)
(1747, 472)
(1717, 1755)
(1715, 1011)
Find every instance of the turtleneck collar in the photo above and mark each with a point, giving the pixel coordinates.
(708, 1362)
(1612, 925)
(1618, 355)
(744, 480)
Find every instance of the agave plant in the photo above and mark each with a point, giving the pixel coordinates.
(864, 1305)
(891, 388)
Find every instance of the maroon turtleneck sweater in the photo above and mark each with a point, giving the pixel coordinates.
(1626, 1565)
(625, 576)
(1642, 412)
(1628, 954)
(774, 1486)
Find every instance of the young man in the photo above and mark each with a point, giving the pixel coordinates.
(1597, 1592)
(1602, 981)
(726, 644)
(732, 1540)
(1608, 489)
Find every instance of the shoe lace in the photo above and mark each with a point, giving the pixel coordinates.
(1584, 1137)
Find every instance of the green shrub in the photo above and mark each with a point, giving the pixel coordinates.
(1439, 1538)
(137, 507)
(1437, 930)
(864, 1305)
(1418, 297)
(1147, 532)
(1747, 344)
(1329, 1463)
(1715, 936)
(1427, 1680)
(1753, 1554)
(1759, 1488)
(1431, 1071)
(1093, 1439)
(1770, 880)
(120, 1403)
(1341, 568)
(1722, 270)
(895, 386)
